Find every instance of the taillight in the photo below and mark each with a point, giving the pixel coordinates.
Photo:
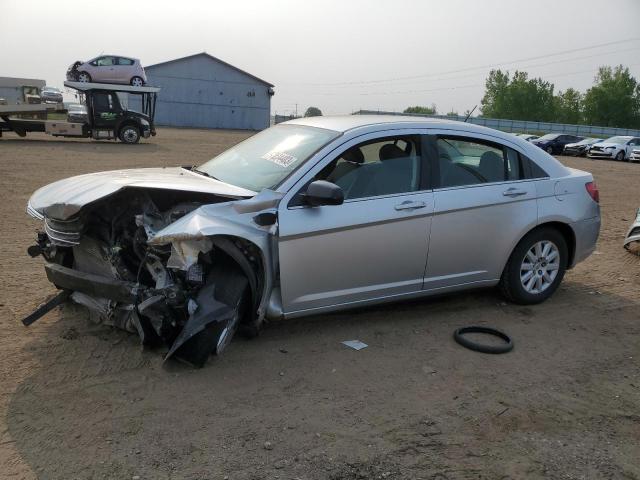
(592, 190)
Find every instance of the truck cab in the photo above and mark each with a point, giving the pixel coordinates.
(109, 119)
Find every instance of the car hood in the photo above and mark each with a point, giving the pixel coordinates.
(606, 144)
(573, 145)
(64, 198)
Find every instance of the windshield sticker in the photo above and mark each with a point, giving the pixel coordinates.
(280, 158)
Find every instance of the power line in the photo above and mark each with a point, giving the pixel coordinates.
(468, 69)
(454, 87)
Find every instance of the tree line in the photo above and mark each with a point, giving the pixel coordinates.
(612, 101)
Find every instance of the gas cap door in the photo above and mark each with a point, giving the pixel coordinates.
(560, 190)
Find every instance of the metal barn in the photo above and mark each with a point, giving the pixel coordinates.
(202, 91)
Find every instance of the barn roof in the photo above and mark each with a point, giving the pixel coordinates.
(211, 57)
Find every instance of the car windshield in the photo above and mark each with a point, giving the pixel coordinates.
(549, 136)
(586, 141)
(617, 140)
(267, 158)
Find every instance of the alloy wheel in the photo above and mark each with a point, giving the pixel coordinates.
(137, 82)
(539, 267)
(84, 78)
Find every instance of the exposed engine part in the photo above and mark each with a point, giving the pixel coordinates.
(190, 291)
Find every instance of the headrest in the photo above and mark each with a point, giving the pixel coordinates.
(390, 151)
(353, 155)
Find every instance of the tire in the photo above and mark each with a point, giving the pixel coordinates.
(620, 156)
(129, 134)
(529, 258)
(84, 77)
(459, 337)
(549, 150)
(137, 82)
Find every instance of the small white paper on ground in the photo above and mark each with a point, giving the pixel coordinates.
(355, 344)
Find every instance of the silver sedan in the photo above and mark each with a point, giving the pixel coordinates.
(310, 216)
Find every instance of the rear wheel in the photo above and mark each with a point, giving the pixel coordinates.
(129, 134)
(536, 267)
(84, 77)
(137, 82)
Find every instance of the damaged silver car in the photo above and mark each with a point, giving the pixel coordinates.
(310, 216)
(632, 240)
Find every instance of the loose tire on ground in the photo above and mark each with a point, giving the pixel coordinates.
(515, 283)
(459, 337)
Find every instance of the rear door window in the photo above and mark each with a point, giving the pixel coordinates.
(468, 161)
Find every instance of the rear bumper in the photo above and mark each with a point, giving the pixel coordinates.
(586, 232)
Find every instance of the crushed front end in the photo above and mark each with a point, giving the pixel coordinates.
(184, 289)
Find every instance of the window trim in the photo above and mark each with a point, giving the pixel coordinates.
(424, 165)
(525, 161)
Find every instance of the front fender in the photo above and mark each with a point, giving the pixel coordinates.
(209, 225)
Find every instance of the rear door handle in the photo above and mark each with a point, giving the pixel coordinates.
(409, 205)
(514, 192)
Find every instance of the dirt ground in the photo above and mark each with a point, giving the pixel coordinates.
(84, 401)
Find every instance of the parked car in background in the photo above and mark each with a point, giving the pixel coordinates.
(580, 149)
(553, 143)
(290, 222)
(108, 69)
(50, 95)
(528, 137)
(618, 148)
(635, 155)
(76, 112)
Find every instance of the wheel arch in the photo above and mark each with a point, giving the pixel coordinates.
(564, 229)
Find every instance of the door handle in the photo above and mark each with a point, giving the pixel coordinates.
(514, 192)
(409, 205)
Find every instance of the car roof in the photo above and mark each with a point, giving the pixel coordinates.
(343, 123)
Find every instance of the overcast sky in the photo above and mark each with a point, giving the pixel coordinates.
(338, 55)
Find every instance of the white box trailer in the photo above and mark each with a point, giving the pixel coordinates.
(16, 91)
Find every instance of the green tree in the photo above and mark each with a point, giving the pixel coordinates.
(452, 113)
(614, 100)
(518, 97)
(569, 107)
(313, 112)
(432, 110)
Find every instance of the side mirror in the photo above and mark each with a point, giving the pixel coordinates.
(322, 192)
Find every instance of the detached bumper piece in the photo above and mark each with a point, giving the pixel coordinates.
(95, 285)
(214, 313)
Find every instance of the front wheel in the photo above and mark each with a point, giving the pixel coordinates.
(129, 134)
(620, 156)
(536, 267)
(137, 82)
(550, 150)
(84, 77)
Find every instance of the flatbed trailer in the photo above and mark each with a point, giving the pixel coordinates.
(106, 117)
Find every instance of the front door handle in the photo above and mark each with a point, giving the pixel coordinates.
(409, 205)
(514, 192)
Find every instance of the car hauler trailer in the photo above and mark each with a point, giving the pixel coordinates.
(107, 117)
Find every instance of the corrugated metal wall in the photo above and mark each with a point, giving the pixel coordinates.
(203, 93)
(522, 126)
